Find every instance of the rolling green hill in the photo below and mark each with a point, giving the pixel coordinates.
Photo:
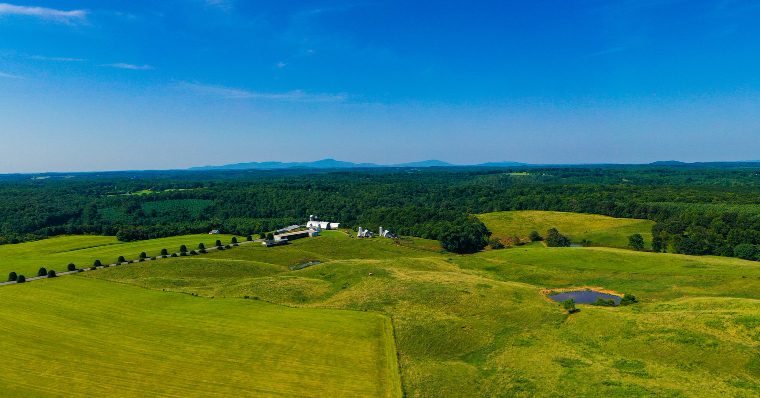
(75, 336)
(600, 230)
(478, 325)
(82, 250)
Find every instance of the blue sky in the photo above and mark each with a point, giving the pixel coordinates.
(106, 85)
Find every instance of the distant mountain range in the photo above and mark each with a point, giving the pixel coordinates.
(339, 164)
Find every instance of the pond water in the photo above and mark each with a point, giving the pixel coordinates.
(584, 296)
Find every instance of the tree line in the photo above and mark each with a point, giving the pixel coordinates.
(709, 210)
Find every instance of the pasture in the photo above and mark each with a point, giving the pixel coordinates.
(75, 336)
(599, 230)
(82, 250)
(477, 325)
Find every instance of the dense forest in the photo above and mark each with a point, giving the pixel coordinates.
(698, 210)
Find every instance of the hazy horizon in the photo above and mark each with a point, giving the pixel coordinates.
(134, 85)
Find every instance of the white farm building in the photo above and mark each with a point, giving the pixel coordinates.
(318, 224)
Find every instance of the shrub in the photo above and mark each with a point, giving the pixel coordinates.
(97, 263)
(263, 235)
(164, 252)
(203, 251)
(556, 239)
(234, 239)
(249, 238)
(183, 254)
(495, 244)
(569, 306)
(121, 260)
(270, 236)
(628, 299)
(193, 253)
(12, 277)
(142, 259)
(218, 243)
(51, 273)
(42, 271)
(183, 249)
(227, 247)
(143, 256)
(636, 242)
(535, 236)
(604, 303)
(201, 246)
(174, 255)
(21, 279)
(72, 267)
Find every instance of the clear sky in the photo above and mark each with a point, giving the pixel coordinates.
(132, 84)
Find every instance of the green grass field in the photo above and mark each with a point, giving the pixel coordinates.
(465, 326)
(76, 336)
(600, 230)
(56, 253)
(479, 326)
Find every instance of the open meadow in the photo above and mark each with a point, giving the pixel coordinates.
(478, 325)
(74, 336)
(82, 250)
(598, 230)
(464, 325)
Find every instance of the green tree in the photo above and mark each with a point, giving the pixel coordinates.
(249, 238)
(72, 267)
(234, 240)
(164, 252)
(42, 271)
(51, 273)
(535, 236)
(121, 259)
(97, 263)
(636, 242)
(465, 236)
(556, 239)
(218, 243)
(143, 256)
(746, 251)
(201, 246)
(183, 249)
(270, 236)
(12, 277)
(628, 299)
(569, 306)
(21, 279)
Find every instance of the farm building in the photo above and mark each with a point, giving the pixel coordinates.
(364, 233)
(287, 229)
(214, 232)
(314, 222)
(288, 236)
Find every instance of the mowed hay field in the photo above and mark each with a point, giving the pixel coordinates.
(82, 250)
(478, 325)
(600, 230)
(74, 336)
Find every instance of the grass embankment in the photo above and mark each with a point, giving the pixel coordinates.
(78, 336)
(82, 250)
(599, 230)
(478, 325)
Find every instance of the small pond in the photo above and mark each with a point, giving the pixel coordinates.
(584, 296)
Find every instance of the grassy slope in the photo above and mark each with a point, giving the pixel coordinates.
(57, 253)
(478, 326)
(77, 336)
(600, 230)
